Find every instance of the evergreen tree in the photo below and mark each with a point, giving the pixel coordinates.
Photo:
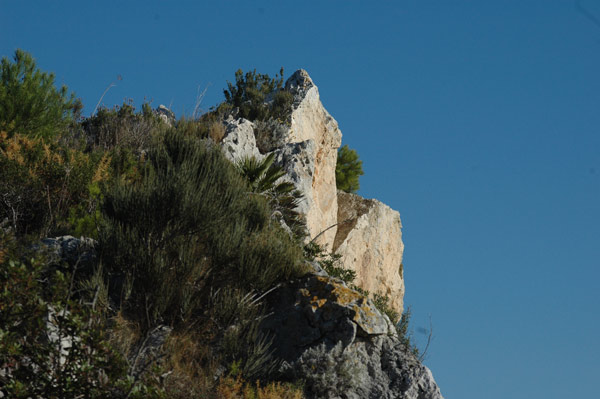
(29, 102)
(347, 170)
(251, 92)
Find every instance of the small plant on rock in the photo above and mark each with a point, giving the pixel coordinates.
(348, 170)
(258, 96)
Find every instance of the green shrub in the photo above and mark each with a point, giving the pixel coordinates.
(264, 179)
(258, 96)
(348, 169)
(330, 262)
(51, 345)
(237, 316)
(30, 104)
(122, 127)
(186, 223)
(41, 184)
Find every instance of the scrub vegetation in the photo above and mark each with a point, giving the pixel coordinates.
(181, 245)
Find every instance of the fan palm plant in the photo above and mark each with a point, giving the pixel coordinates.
(267, 179)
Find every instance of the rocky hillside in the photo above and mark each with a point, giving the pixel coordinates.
(327, 333)
(216, 257)
(365, 233)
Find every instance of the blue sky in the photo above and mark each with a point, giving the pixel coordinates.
(479, 121)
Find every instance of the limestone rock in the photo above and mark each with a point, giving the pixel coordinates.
(79, 252)
(148, 350)
(306, 149)
(310, 121)
(165, 114)
(342, 346)
(239, 142)
(369, 240)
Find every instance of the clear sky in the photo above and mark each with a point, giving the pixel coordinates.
(479, 121)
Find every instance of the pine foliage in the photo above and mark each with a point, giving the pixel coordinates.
(29, 101)
(258, 96)
(348, 169)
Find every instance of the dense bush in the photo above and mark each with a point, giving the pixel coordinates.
(48, 189)
(348, 170)
(52, 345)
(258, 96)
(186, 223)
(122, 127)
(265, 179)
(29, 102)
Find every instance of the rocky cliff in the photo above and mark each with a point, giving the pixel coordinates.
(328, 334)
(336, 340)
(366, 233)
(305, 146)
(369, 240)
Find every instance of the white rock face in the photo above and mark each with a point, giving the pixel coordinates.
(239, 141)
(310, 121)
(368, 233)
(369, 239)
(306, 150)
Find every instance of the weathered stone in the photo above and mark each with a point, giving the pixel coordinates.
(239, 142)
(77, 252)
(306, 149)
(342, 346)
(323, 310)
(297, 161)
(310, 121)
(165, 114)
(369, 240)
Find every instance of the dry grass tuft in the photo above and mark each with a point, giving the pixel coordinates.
(190, 367)
(230, 388)
(216, 131)
(124, 335)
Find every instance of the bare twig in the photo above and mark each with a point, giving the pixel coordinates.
(330, 227)
(112, 84)
(197, 110)
(429, 338)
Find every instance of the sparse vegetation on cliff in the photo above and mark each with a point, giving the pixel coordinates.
(348, 170)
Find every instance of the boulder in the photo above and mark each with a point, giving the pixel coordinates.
(79, 253)
(369, 240)
(165, 114)
(341, 345)
(239, 142)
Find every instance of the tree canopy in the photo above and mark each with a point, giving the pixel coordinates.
(348, 170)
(29, 101)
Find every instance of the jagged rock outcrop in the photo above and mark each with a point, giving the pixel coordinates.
(77, 252)
(338, 342)
(310, 121)
(369, 240)
(239, 141)
(306, 149)
(165, 114)
(326, 333)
